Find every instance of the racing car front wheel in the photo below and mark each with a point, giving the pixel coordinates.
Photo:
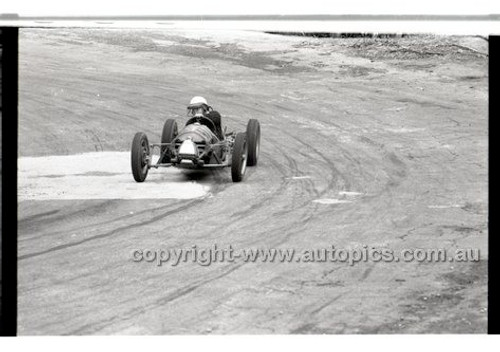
(140, 155)
(167, 136)
(253, 136)
(240, 157)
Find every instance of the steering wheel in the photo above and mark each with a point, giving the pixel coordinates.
(206, 121)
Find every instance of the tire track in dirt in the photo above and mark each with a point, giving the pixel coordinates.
(109, 233)
(162, 301)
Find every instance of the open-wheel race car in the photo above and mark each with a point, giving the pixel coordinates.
(196, 146)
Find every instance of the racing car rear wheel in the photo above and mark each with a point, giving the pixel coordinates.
(140, 155)
(240, 157)
(253, 137)
(168, 135)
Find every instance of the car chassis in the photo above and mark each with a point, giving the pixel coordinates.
(236, 150)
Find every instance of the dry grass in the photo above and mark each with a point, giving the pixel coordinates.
(411, 47)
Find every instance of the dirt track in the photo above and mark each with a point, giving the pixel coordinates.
(397, 145)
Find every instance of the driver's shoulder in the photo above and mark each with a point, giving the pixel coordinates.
(213, 113)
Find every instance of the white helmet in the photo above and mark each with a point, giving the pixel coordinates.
(197, 102)
(198, 106)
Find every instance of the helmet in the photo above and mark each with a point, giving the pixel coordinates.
(197, 102)
(198, 106)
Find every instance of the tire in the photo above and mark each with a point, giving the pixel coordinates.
(239, 158)
(140, 150)
(168, 135)
(253, 138)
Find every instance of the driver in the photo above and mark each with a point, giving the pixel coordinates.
(198, 107)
